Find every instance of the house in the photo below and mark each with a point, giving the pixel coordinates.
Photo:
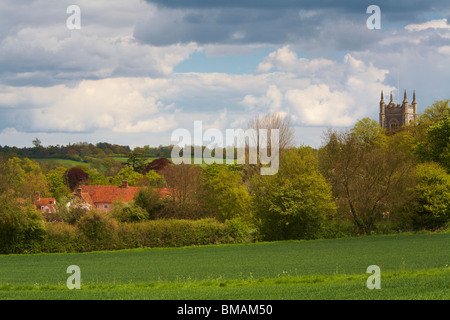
(103, 197)
(45, 205)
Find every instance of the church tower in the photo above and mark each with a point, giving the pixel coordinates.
(393, 116)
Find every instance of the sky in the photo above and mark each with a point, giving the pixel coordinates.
(135, 71)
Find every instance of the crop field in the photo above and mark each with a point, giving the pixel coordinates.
(411, 267)
(60, 161)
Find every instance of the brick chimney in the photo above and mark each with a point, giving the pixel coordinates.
(37, 196)
(79, 192)
(124, 184)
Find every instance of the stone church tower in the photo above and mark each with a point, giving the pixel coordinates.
(393, 116)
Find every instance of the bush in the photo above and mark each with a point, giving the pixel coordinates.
(128, 212)
(61, 237)
(178, 233)
(72, 210)
(98, 231)
(433, 196)
(21, 226)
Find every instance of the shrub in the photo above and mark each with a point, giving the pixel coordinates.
(178, 233)
(97, 230)
(72, 210)
(433, 196)
(128, 212)
(21, 226)
(61, 237)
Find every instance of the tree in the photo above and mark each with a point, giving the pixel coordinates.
(296, 202)
(127, 174)
(13, 175)
(157, 165)
(56, 185)
(367, 179)
(434, 113)
(149, 200)
(436, 144)
(227, 196)
(151, 178)
(21, 225)
(267, 122)
(433, 196)
(136, 161)
(75, 177)
(271, 122)
(96, 178)
(430, 117)
(37, 143)
(184, 183)
(368, 131)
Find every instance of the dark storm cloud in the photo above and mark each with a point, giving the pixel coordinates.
(225, 26)
(409, 9)
(275, 22)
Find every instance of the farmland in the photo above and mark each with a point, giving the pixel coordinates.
(412, 267)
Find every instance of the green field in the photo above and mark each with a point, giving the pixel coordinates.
(58, 161)
(412, 267)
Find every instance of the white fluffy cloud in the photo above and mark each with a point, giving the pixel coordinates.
(433, 24)
(285, 59)
(336, 93)
(120, 104)
(333, 96)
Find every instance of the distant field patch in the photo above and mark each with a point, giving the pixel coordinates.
(57, 161)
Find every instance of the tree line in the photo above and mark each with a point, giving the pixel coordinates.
(82, 151)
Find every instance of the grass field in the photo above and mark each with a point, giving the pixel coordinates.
(412, 267)
(58, 161)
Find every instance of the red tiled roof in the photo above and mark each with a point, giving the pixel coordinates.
(107, 194)
(110, 194)
(44, 201)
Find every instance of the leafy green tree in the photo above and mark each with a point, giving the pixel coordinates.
(13, 175)
(56, 185)
(434, 113)
(136, 161)
(154, 179)
(430, 117)
(296, 202)
(367, 180)
(433, 195)
(436, 144)
(21, 225)
(149, 199)
(227, 197)
(368, 131)
(127, 174)
(97, 179)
